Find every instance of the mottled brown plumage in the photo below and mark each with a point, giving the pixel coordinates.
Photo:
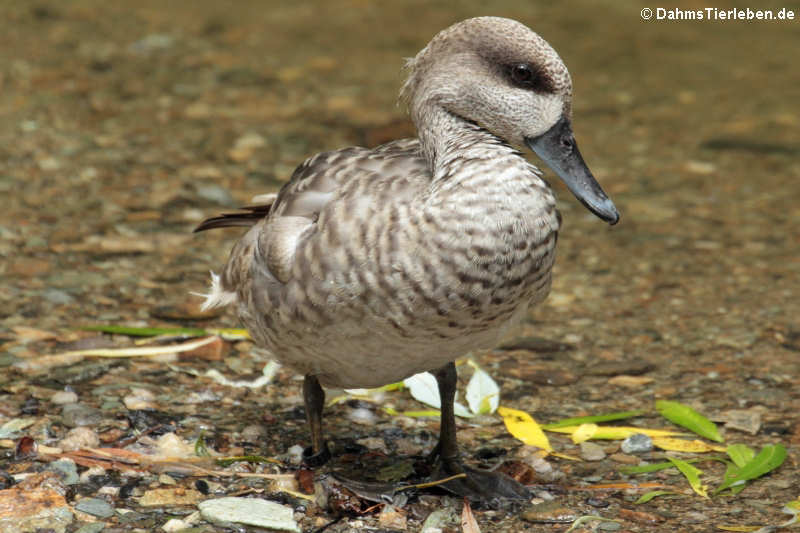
(375, 264)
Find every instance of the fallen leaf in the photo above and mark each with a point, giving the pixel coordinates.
(769, 458)
(619, 432)
(483, 394)
(523, 427)
(468, 522)
(685, 416)
(683, 445)
(692, 475)
(576, 421)
(654, 494)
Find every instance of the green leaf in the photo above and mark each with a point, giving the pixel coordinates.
(685, 416)
(730, 475)
(646, 497)
(769, 458)
(655, 467)
(146, 332)
(200, 448)
(577, 421)
(740, 454)
(692, 475)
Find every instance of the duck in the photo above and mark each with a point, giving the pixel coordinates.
(371, 265)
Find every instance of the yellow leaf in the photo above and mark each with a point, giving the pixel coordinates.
(584, 432)
(745, 529)
(619, 432)
(522, 426)
(682, 445)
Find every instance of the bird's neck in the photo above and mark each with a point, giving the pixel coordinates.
(462, 154)
(447, 141)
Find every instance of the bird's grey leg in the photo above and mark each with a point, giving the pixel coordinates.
(477, 485)
(314, 398)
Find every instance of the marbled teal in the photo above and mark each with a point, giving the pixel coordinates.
(371, 265)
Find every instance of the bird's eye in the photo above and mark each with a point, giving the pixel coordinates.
(522, 74)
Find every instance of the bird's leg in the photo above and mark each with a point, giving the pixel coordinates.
(477, 485)
(314, 399)
(447, 448)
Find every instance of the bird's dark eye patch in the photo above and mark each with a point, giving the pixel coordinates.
(528, 76)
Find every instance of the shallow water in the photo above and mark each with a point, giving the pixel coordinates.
(123, 126)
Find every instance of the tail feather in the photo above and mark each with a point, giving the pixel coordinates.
(249, 216)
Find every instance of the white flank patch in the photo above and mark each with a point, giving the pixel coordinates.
(217, 296)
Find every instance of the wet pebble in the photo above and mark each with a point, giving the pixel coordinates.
(624, 458)
(139, 398)
(295, 454)
(93, 527)
(609, 526)
(64, 397)
(549, 513)
(78, 414)
(637, 443)
(58, 297)
(592, 452)
(746, 420)
(391, 518)
(95, 507)
(249, 511)
(215, 194)
(170, 496)
(254, 433)
(67, 469)
(362, 415)
(80, 437)
(35, 504)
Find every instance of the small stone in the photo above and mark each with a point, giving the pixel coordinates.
(245, 146)
(624, 459)
(295, 454)
(78, 438)
(550, 512)
(254, 433)
(67, 469)
(362, 415)
(170, 496)
(215, 194)
(35, 504)
(391, 518)
(93, 527)
(700, 167)
(95, 507)
(171, 445)
(64, 397)
(637, 443)
(592, 452)
(609, 526)
(215, 350)
(140, 398)
(174, 524)
(78, 414)
(58, 297)
(630, 382)
(249, 511)
(165, 479)
(746, 420)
